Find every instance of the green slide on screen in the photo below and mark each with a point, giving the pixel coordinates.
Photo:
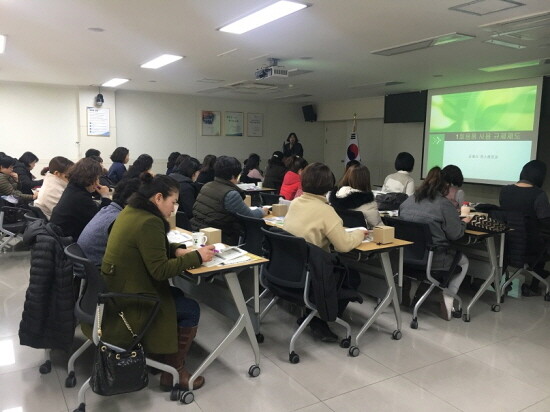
(435, 150)
(510, 109)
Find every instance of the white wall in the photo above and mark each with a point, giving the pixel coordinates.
(160, 123)
(39, 118)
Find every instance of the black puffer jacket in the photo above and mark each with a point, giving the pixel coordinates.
(48, 315)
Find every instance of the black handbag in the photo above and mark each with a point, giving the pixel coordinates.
(117, 371)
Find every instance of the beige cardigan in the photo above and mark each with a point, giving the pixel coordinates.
(50, 193)
(309, 216)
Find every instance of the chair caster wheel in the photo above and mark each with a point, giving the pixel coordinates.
(46, 367)
(81, 408)
(175, 393)
(396, 334)
(495, 308)
(457, 313)
(354, 351)
(254, 371)
(414, 324)
(260, 338)
(294, 358)
(70, 381)
(345, 343)
(466, 318)
(187, 397)
(547, 297)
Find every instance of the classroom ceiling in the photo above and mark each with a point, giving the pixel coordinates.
(328, 45)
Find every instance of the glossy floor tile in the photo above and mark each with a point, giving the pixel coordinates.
(497, 362)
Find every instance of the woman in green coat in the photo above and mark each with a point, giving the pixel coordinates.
(139, 259)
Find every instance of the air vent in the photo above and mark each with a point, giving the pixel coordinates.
(212, 91)
(207, 80)
(375, 85)
(424, 44)
(484, 7)
(250, 85)
(292, 96)
(298, 72)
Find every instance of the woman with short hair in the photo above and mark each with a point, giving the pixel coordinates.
(76, 206)
(186, 174)
(9, 185)
(56, 178)
(142, 164)
(120, 157)
(292, 147)
(401, 181)
(275, 171)
(23, 168)
(453, 176)
(207, 170)
(292, 182)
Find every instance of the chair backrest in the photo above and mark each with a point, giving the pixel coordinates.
(37, 212)
(93, 283)
(253, 235)
(352, 218)
(30, 217)
(523, 243)
(246, 179)
(269, 199)
(288, 257)
(418, 233)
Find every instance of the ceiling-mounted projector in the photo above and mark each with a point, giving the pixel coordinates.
(272, 69)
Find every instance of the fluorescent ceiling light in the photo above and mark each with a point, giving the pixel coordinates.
(505, 44)
(161, 61)
(451, 38)
(263, 16)
(114, 82)
(510, 66)
(2, 43)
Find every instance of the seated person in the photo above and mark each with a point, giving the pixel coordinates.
(527, 197)
(312, 218)
(104, 179)
(76, 206)
(220, 200)
(56, 177)
(292, 147)
(453, 176)
(186, 173)
(142, 164)
(401, 181)
(120, 157)
(275, 172)
(23, 168)
(138, 259)
(292, 182)
(429, 205)
(9, 181)
(251, 172)
(207, 170)
(355, 193)
(93, 239)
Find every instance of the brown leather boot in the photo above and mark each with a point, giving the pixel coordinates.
(177, 360)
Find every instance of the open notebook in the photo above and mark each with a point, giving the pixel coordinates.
(227, 255)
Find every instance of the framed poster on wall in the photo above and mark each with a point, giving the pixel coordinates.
(255, 124)
(210, 123)
(98, 122)
(234, 123)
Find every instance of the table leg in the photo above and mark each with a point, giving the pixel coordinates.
(400, 273)
(243, 322)
(490, 243)
(391, 296)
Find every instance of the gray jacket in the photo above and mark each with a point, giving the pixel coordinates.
(444, 222)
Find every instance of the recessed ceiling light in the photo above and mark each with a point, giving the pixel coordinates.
(96, 29)
(161, 61)
(266, 15)
(2, 43)
(505, 44)
(451, 38)
(510, 66)
(114, 82)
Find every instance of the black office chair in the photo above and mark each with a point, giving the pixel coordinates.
(253, 238)
(352, 218)
(37, 213)
(269, 199)
(286, 275)
(418, 259)
(524, 247)
(12, 223)
(93, 292)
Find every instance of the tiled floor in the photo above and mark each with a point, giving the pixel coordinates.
(497, 362)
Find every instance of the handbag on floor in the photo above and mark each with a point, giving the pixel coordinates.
(117, 370)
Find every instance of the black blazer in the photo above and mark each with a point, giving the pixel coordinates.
(26, 179)
(75, 209)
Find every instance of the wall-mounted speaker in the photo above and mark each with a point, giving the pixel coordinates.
(309, 113)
